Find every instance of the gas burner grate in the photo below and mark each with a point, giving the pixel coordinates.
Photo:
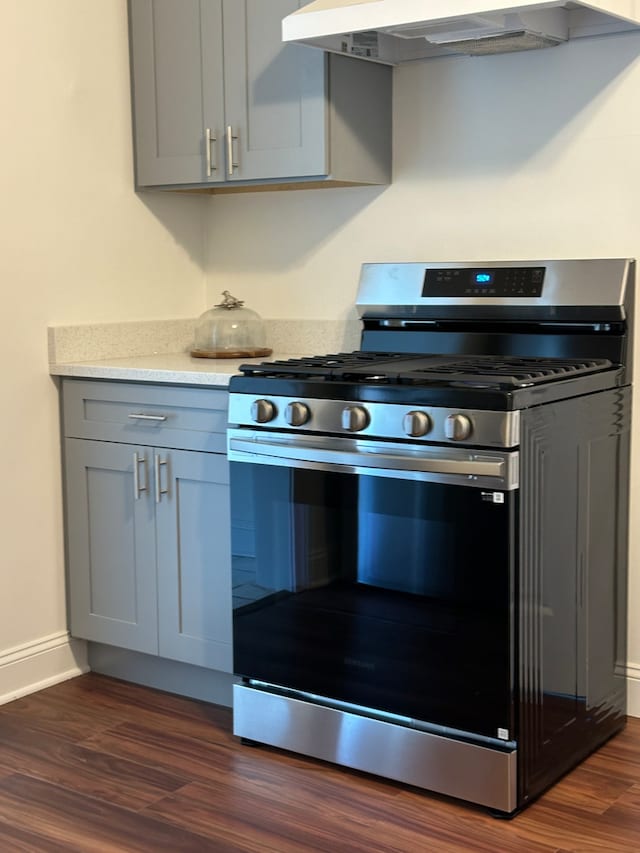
(490, 371)
(494, 371)
(334, 365)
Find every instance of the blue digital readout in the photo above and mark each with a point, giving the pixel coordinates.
(483, 277)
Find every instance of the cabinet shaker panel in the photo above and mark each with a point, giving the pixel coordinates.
(111, 545)
(275, 95)
(177, 90)
(194, 560)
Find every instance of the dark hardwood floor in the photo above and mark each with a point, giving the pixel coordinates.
(96, 764)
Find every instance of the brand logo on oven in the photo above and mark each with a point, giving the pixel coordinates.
(493, 497)
(360, 664)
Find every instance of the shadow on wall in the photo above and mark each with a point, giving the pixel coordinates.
(278, 231)
(465, 116)
(182, 216)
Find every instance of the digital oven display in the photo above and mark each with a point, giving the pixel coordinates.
(484, 281)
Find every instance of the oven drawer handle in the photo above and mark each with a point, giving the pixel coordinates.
(474, 466)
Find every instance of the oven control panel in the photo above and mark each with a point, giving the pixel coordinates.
(376, 420)
(506, 282)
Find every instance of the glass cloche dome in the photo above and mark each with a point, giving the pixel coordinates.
(228, 330)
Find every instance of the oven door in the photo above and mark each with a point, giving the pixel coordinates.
(377, 574)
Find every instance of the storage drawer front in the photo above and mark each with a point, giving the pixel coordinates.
(161, 415)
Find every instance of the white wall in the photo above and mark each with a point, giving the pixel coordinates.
(517, 156)
(77, 245)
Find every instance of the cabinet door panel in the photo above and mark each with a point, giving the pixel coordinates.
(194, 560)
(112, 578)
(274, 94)
(176, 63)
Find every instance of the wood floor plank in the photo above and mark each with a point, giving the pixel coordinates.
(130, 701)
(96, 764)
(79, 708)
(92, 773)
(85, 825)
(587, 790)
(616, 831)
(64, 720)
(324, 818)
(13, 839)
(175, 753)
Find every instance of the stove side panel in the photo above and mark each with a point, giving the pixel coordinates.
(572, 581)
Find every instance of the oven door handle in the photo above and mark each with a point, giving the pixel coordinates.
(475, 465)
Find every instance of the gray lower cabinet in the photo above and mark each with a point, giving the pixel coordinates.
(219, 102)
(148, 530)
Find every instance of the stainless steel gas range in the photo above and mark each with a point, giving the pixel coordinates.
(430, 534)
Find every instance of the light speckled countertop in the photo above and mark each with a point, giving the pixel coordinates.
(158, 350)
(177, 368)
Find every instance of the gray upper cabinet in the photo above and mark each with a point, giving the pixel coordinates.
(219, 103)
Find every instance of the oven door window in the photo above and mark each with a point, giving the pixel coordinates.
(392, 594)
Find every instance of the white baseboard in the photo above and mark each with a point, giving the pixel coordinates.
(33, 666)
(633, 689)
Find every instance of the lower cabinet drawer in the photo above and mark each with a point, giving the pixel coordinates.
(160, 415)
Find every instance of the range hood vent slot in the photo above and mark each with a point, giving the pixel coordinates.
(502, 43)
(492, 33)
(475, 24)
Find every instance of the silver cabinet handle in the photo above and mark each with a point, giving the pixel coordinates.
(229, 136)
(208, 140)
(138, 416)
(157, 462)
(137, 488)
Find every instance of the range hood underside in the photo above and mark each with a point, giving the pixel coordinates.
(373, 33)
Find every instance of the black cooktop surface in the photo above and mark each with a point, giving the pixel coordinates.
(498, 382)
(379, 368)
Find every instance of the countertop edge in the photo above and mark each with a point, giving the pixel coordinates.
(131, 374)
(171, 369)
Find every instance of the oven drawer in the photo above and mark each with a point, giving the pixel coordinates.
(161, 415)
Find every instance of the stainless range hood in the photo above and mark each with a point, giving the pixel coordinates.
(395, 31)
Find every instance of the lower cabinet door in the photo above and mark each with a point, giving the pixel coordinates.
(111, 544)
(193, 557)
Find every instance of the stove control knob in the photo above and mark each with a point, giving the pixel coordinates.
(263, 411)
(297, 414)
(416, 424)
(457, 427)
(355, 418)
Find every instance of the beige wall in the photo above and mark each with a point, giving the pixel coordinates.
(77, 245)
(517, 156)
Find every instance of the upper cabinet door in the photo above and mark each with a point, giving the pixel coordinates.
(275, 96)
(177, 90)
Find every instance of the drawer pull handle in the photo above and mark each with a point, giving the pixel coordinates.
(138, 416)
(159, 490)
(137, 488)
